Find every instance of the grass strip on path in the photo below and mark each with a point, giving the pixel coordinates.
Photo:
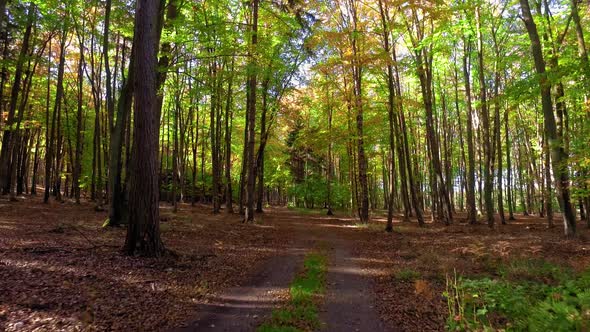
(302, 312)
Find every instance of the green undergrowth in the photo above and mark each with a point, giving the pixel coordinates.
(302, 312)
(526, 295)
(407, 274)
(302, 210)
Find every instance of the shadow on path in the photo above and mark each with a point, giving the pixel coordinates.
(350, 301)
(349, 304)
(244, 308)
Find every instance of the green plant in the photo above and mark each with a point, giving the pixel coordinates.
(407, 274)
(533, 269)
(549, 299)
(301, 313)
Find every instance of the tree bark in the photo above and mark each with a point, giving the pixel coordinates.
(9, 137)
(251, 117)
(508, 168)
(228, 134)
(486, 137)
(558, 156)
(118, 206)
(143, 232)
(391, 113)
(56, 110)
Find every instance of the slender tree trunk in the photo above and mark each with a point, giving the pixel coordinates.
(77, 171)
(508, 167)
(425, 76)
(35, 165)
(471, 207)
(60, 148)
(2, 11)
(9, 138)
(251, 118)
(49, 157)
(215, 165)
(414, 186)
(330, 163)
(391, 115)
(263, 133)
(487, 141)
(548, 196)
(582, 50)
(118, 206)
(357, 81)
(228, 133)
(498, 141)
(558, 156)
(4, 72)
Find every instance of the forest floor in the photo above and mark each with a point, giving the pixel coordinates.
(60, 270)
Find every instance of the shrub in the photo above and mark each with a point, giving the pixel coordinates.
(531, 296)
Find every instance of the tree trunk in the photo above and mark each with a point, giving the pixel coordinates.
(357, 75)
(9, 137)
(414, 186)
(77, 171)
(330, 164)
(391, 116)
(263, 134)
(558, 156)
(471, 207)
(228, 132)
(56, 110)
(508, 168)
(35, 165)
(251, 118)
(487, 142)
(144, 218)
(118, 206)
(425, 76)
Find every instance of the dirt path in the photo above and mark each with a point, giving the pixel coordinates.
(244, 308)
(350, 300)
(349, 304)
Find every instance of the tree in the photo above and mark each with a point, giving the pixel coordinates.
(558, 156)
(143, 231)
(249, 157)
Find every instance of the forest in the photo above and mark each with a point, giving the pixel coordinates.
(294, 165)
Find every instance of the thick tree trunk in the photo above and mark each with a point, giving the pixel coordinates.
(143, 232)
